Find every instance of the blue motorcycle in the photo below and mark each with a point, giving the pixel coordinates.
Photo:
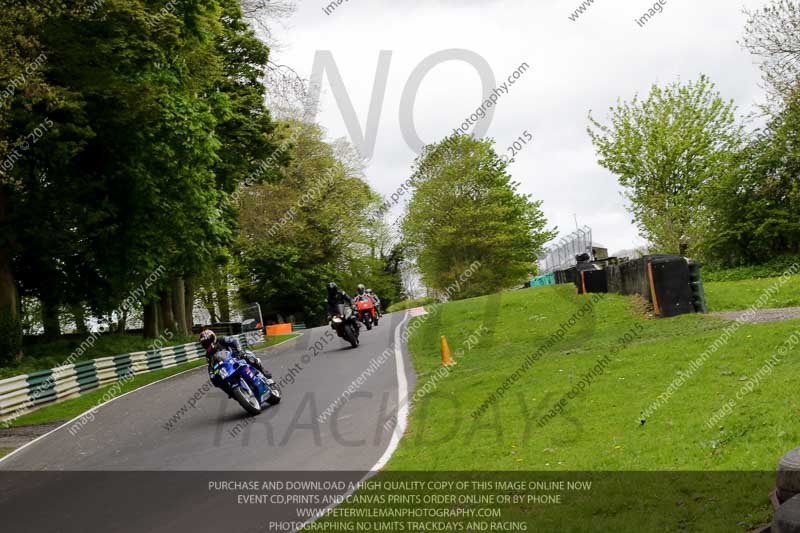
(242, 382)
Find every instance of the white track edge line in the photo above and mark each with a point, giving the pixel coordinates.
(281, 343)
(120, 396)
(68, 422)
(399, 428)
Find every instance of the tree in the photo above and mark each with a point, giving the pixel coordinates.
(22, 55)
(772, 33)
(755, 207)
(464, 209)
(666, 150)
(312, 227)
(42, 125)
(82, 223)
(157, 208)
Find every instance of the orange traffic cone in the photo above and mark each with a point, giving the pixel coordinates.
(447, 357)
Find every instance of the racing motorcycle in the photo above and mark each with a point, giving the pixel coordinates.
(242, 382)
(366, 310)
(345, 322)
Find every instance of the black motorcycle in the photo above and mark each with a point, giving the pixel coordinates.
(345, 322)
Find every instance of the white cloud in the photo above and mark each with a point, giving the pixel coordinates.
(576, 66)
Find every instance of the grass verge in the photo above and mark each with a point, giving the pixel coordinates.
(600, 429)
(538, 426)
(408, 304)
(741, 294)
(272, 340)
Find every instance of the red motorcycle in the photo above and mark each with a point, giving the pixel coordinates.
(366, 310)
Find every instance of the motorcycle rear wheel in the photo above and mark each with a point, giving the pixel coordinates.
(244, 395)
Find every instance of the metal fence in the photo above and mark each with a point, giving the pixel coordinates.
(562, 254)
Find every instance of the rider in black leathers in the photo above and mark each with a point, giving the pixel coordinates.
(337, 297)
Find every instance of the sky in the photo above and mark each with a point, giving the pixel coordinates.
(574, 67)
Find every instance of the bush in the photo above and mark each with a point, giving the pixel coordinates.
(11, 339)
(772, 268)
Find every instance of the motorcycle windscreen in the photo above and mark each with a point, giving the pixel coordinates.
(220, 356)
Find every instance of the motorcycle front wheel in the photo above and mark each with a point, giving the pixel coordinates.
(274, 397)
(244, 395)
(350, 336)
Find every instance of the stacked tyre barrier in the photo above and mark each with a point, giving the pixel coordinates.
(569, 275)
(670, 283)
(591, 281)
(663, 280)
(786, 496)
(22, 394)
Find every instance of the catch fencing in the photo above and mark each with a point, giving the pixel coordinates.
(562, 254)
(22, 394)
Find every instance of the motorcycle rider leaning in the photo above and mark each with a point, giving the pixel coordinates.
(361, 293)
(376, 301)
(209, 341)
(337, 297)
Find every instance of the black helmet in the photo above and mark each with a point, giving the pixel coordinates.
(360, 288)
(332, 288)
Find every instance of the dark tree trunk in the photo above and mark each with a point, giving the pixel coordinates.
(189, 303)
(150, 320)
(123, 322)
(50, 320)
(224, 305)
(179, 306)
(9, 297)
(167, 317)
(208, 303)
(221, 289)
(79, 316)
(8, 289)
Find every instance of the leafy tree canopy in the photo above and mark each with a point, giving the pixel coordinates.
(465, 208)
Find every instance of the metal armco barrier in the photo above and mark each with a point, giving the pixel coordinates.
(22, 394)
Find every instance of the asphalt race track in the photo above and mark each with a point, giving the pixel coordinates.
(146, 460)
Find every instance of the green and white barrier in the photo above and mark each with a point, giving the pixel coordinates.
(21, 394)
